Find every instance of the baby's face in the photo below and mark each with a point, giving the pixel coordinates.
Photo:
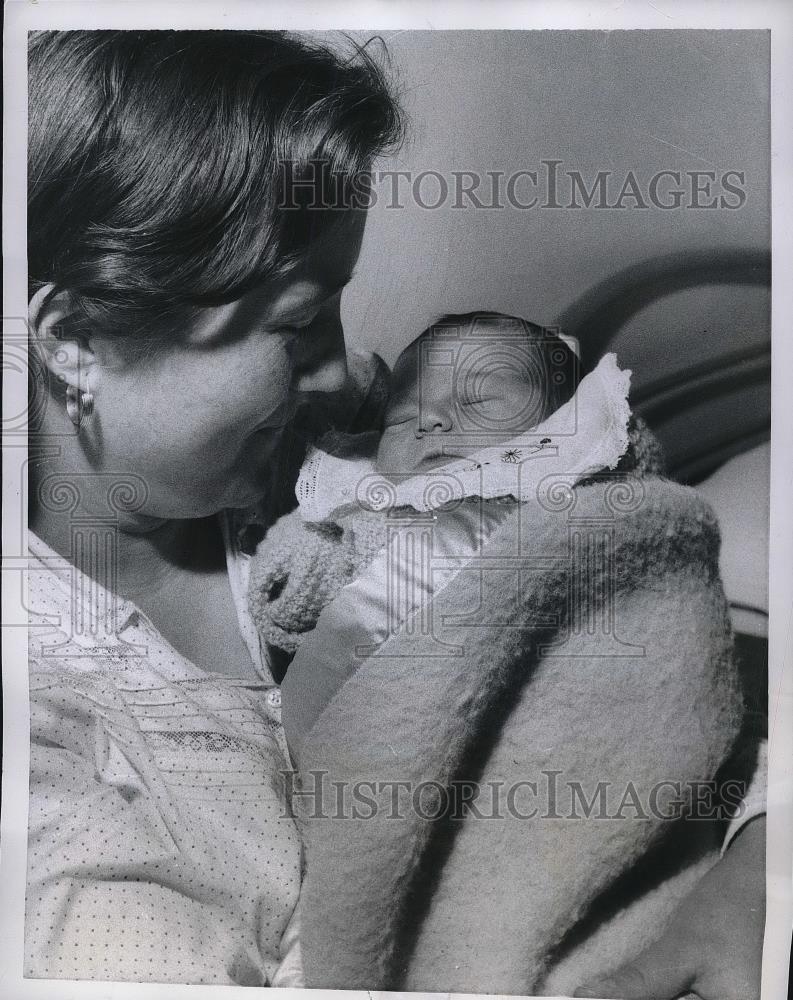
(441, 409)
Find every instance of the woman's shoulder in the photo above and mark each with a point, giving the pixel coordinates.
(73, 621)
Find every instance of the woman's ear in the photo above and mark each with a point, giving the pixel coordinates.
(66, 354)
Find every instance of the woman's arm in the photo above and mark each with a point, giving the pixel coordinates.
(151, 853)
(107, 894)
(713, 943)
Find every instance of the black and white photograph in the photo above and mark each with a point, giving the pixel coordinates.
(397, 481)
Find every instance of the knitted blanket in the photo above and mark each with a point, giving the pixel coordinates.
(498, 803)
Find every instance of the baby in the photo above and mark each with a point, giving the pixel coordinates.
(456, 611)
(483, 407)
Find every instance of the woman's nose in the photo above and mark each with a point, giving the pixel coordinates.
(328, 376)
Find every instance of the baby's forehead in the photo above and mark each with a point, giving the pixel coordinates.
(476, 329)
(456, 337)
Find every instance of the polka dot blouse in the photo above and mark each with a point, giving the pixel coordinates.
(161, 847)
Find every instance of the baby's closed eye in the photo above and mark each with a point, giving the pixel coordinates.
(468, 401)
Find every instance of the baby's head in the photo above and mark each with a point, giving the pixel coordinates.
(470, 381)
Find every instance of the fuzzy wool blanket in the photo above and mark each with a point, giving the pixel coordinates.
(502, 802)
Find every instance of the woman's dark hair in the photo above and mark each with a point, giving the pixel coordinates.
(179, 169)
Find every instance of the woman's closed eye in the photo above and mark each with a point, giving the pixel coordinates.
(303, 322)
(298, 324)
(296, 327)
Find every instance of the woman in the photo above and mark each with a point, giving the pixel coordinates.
(180, 317)
(195, 210)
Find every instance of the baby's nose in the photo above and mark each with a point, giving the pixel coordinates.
(432, 421)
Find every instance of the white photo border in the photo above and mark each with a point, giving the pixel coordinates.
(22, 16)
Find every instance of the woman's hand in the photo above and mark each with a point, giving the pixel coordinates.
(713, 943)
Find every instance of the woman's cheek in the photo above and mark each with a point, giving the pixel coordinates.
(167, 440)
(259, 386)
(189, 428)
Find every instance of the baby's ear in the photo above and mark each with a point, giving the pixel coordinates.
(63, 352)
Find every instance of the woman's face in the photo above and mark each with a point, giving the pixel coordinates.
(201, 420)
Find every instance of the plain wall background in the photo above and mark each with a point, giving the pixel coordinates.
(607, 100)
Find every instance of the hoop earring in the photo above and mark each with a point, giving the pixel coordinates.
(79, 406)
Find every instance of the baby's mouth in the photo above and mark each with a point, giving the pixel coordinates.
(435, 458)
